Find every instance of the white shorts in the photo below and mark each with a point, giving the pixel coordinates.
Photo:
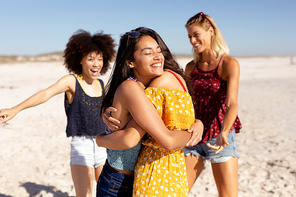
(86, 152)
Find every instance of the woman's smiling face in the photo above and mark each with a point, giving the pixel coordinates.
(92, 65)
(148, 59)
(199, 38)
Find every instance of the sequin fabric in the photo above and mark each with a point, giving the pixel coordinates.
(210, 95)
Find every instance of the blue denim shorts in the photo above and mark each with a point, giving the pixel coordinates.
(114, 183)
(86, 152)
(202, 150)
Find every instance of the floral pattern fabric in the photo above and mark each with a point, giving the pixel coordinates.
(161, 172)
(210, 96)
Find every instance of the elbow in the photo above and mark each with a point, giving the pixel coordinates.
(169, 143)
(98, 141)
(168, 146)
(231, 105)
(130, 144)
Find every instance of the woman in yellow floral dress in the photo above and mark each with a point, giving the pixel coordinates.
(162, 172)
(159, 171)
(174, 112)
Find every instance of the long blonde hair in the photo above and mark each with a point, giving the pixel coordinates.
(219, 46)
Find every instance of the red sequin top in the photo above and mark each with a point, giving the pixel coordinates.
(210, 102)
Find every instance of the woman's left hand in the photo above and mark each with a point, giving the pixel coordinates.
(197, 130)
(220, 143)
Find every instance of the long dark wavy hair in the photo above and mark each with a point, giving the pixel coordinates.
(121, 71)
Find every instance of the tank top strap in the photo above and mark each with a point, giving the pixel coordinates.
(100, 82)
(220, 61)
(74, 76)
(178, 80)
(77, 82)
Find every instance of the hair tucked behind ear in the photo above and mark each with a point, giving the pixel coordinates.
(218, 44)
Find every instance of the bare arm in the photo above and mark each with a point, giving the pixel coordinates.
(145, 114)
(230, 72)
(40, 97)
(122, 139)
(233, 71)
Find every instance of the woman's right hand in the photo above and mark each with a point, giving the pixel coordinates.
(6, 115)
(111, 122)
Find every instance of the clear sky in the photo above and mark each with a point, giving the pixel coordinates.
(250, 27)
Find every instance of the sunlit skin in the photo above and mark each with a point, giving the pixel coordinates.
(91, 68)
(148, 60)
(92, 64)
(147, 65)
(200, 39)
(225, 174)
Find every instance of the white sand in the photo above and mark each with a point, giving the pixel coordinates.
(34, 150)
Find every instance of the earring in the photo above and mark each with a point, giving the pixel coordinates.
(131, 65)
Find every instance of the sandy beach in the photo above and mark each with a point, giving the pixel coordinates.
(34, 149)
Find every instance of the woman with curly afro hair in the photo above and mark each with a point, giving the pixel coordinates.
(86, 57)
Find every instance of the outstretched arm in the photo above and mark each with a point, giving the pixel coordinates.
(40, 97)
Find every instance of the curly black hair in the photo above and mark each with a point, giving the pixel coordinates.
(81, 43)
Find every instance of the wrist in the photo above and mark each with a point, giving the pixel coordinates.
(224, 132)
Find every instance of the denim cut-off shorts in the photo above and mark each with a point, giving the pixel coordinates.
(202, 150)
(86, 152)
(114, 183)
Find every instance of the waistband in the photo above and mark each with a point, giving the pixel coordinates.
(85, 136)
(112, 170)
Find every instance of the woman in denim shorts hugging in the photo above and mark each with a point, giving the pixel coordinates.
(215, 81)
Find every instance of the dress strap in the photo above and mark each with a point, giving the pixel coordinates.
(178, 80)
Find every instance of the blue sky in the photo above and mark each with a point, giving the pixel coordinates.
(250, 27)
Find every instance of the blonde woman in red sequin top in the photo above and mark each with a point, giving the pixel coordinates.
(215, 82)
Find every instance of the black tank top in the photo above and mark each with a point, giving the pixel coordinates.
(83, 114)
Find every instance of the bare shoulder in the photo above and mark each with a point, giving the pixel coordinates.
(68, 83)
(128, 86)
(69, 80)
(230, 62)
(191, 64)
(230, 67)
(190, 67)
(168, 80)
(127, 94)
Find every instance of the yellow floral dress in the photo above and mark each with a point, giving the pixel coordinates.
(160, 172)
